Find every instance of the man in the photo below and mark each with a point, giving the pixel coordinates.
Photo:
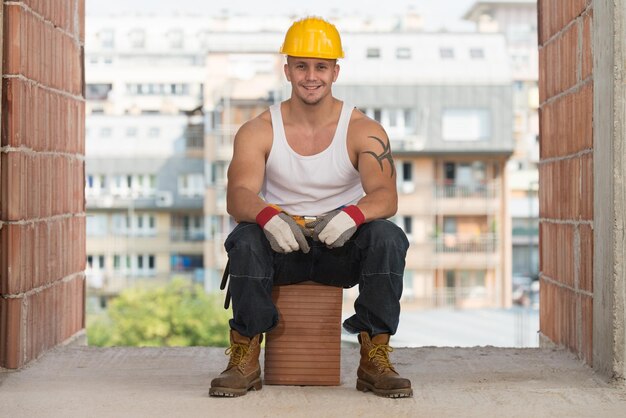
(315, 157)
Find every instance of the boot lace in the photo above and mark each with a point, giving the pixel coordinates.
(237, 353)
(379, 355)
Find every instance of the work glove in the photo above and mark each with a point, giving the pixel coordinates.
(335, 228)
(283, 233)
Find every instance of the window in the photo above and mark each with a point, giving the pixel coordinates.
(151, 263)
(465, 179)
(95, 262)
(95, 185)
(135, 265)
(98, 91)
(403, 53)
(118, 221)
(186, 262)
(373, 52)
(446, 53)
(191, 185)
(466, 124)
(137, 38)
(409, 120)
(449, 225)
(139, 185)
(405, 177)
(141, 265)
(154, 132)
(188, 227)
(377, 115)
(477, 53)
(407, 171)
(176, 39)
(472, 278)
(407, 225)
(131, 132)
(120, 186)
(107, 38)
(393, 118)
(106, 132)
(96, 225)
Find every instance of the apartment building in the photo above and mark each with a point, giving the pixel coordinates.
(144, 152)
(144, 192)
(516, 20)
(445, 100)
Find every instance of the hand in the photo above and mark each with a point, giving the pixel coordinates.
(335, 228)
(283, 233)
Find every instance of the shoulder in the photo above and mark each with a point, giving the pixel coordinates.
(363, 129)
(256, 132)
(259, 125)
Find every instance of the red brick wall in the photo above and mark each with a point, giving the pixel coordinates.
(566, 173)
(42, 209)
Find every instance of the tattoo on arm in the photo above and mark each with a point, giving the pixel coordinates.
(385, 155)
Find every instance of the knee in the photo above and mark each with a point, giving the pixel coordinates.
(384, 232)
(246, 236)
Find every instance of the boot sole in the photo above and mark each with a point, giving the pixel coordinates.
(363, 386)
(221, 392)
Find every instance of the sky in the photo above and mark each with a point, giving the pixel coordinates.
(437, 14)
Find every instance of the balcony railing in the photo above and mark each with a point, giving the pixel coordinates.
(461, 243)
(194, 137)
(465, 191)
(184, 234)
(476, 296)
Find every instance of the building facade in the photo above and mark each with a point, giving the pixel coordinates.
(144, 152)
(516, 20)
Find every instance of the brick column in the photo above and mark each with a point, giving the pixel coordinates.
(566, 195)
(42, 206)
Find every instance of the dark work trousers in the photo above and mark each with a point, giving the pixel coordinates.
(373, 258)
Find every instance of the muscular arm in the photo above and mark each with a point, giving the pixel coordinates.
(247, 169)
(376, 168)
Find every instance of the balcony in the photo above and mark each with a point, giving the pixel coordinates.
(158, 199)
(451, 297)
(222, 139)
(194, 141)
(407, 143)
(471, 199)
(186, 235)
(454, 251)
(466, 251)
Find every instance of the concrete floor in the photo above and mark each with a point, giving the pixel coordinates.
(77, 381)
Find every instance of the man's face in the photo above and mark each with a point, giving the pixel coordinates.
(311, 78)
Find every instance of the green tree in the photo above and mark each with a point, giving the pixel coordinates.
(178, 314)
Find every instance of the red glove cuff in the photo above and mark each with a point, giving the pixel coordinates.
(355, 213)
(265, 215)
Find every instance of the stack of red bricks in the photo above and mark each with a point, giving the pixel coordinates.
(42, 209)
(305, 347)
(566, 173)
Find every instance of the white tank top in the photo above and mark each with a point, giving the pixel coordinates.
(311, 185)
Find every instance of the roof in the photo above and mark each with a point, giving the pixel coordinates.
(479, 7)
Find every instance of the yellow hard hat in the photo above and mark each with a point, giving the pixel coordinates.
(312, 37)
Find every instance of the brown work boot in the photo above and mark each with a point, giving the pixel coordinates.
(376, 373)
(243, 372)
